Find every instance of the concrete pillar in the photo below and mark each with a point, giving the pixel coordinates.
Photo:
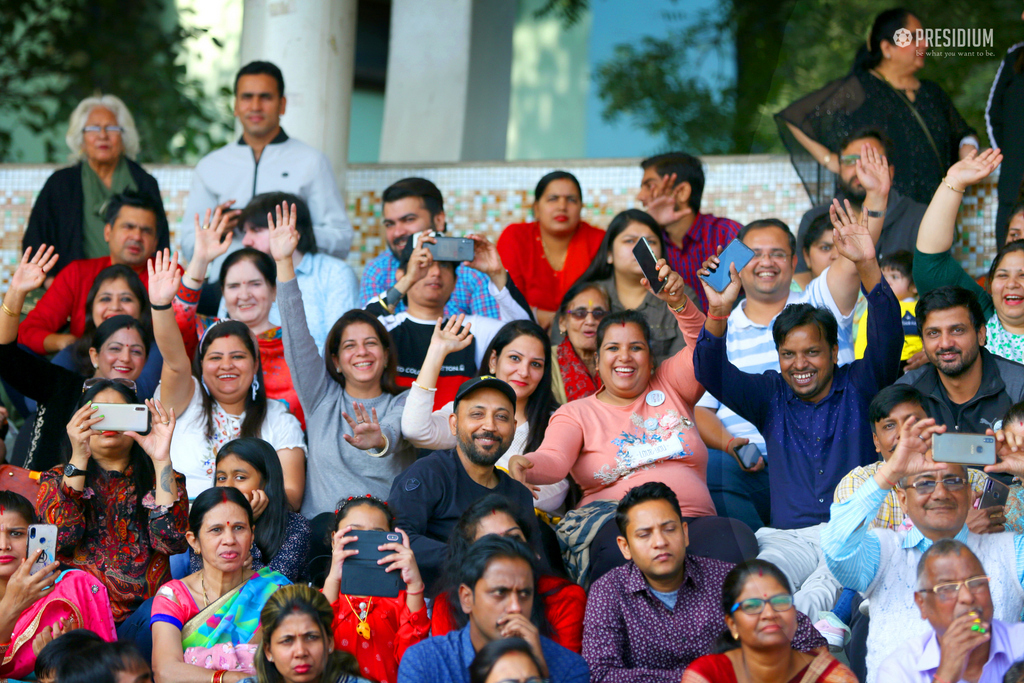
(449, 79)
(313, 42)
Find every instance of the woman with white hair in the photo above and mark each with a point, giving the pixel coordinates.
(68, 213)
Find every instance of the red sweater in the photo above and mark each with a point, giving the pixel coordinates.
(393, 630)
(564, 605)
(522, 254)
(65, 299)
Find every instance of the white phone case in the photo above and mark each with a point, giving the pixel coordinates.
(42, 536)
(122, 417)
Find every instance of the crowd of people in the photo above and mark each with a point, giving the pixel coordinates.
(583, 471)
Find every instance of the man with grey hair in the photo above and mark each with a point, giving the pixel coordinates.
(965, 642)
(881, 563)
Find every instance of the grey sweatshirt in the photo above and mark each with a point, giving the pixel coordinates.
(334, 469)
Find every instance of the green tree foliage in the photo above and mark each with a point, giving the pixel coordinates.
(782, 50)
(54, 53)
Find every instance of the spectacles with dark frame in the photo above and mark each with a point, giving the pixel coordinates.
(109, 130)
(849, 159)
(927, 487)
(531, 679)
(949, 591)
(783, 602)
(581, 313)
(93, 381)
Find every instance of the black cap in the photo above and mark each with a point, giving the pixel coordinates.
(485, 382)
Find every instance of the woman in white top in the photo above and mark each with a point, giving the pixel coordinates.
(520, 354)
(220, 396)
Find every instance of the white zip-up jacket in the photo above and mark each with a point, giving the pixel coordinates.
(285, 165)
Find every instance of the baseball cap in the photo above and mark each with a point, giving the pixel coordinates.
(485, 382)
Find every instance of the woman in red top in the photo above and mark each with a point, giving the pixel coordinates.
(545, 257)
(563, 602)
(376, 630)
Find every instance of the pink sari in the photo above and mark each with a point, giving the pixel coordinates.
(78, 597)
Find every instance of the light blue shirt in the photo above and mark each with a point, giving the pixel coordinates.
(751, 348)
(329, 289)
(917, 660)
(854, 554)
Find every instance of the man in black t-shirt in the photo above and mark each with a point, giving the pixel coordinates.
(430, 496)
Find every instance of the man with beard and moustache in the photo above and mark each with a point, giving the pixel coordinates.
(902, 214)
(882, 563)
(966, 387)
(430, 496)
(812, 413)
(414, 205)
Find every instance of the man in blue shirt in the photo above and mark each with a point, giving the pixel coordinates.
(497, 590)
(414, 205)
(813, 414)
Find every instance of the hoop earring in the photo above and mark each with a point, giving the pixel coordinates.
(255, 387)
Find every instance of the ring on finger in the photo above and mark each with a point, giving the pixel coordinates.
(206, 227)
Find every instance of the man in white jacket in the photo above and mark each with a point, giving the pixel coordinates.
(265, 159)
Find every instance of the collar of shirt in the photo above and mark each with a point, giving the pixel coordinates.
(694, 234)
(915, 539)
(999, 646)
(991, 381)
(305, 266)
(613, 296)
(738, 318)
(278, 139)
(636, 583)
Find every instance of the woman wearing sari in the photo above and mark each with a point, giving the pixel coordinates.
(35, 608)
(758, 605)
(204, 625)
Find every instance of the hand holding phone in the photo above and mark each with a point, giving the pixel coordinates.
(363, 573)
(42, 537)
(648, 262)
(736, 253)
(122, 417)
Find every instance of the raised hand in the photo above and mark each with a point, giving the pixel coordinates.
(873, 171)
(487, 260)
(451, 336)
(852, 239)
(32, 270)
(662, 203)
(157, 443)
(80, 431)
(913, 454)
(164, 277)
(366, 434)
(973, 168)
(403, 559)
(672, 292)
(419, 263)
(722, 302)
(338, 552)
(1009, 452)
(284, 235)
(214, 235)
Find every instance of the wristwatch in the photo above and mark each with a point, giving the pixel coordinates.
(72, 471)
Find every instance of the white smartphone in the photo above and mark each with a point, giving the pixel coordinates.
(42, 536)
(122, 417)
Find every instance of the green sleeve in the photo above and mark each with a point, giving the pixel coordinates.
(932, 271)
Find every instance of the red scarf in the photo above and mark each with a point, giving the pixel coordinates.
(575, 376)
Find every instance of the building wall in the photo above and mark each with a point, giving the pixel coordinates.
(485, 197)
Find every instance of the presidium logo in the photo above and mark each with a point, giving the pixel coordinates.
(956, 38)
(903, 37)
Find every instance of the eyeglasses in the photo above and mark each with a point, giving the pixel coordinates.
(110, 130)
(93, 381)
(927, 487)
(531, 679)
(581, 313)
(949, 591)
(774, 254)
(849, 159)
(783, 602)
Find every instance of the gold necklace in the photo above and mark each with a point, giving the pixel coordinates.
(202, 582)
(363, 628)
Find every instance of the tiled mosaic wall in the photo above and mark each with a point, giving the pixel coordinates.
(484, 198)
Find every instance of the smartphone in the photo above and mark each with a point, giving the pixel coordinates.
(995, 494)
(42, 536)
(644, 255)
(748, 454)
(737, 253)
(448, 248)
(362, 575)
(965, 449)
(122, 417)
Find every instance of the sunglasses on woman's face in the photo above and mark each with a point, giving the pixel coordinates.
(93, 381)
(783, 602)
(582, 313)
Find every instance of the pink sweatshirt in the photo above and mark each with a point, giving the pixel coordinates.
(610, 449)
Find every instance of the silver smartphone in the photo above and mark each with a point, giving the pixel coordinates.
(995, 494)
(122, 417)
(964, 449)
(42, 536)
(457, 249)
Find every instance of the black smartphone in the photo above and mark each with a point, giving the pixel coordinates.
(362, 575)
(748, 454)
(648, 263)
(737, 253)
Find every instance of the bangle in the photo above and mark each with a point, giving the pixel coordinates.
(196, 280)
(717, 317)
(419, 592)
(218, 675)
(825, 159)
(9, 311)
(891, 484)
(156, 307)
(946, 183)
(874, 214)
(681, 306)
(424, 388)
(729, 443)
(382, 451)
